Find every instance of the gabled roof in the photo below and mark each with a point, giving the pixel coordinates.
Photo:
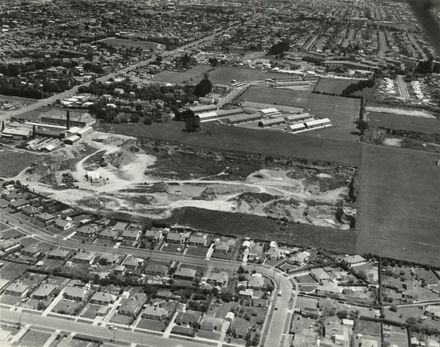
(185, 272)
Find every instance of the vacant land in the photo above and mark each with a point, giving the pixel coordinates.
(234, 224)
(333, 85)
(12, 163)
(403, 122)
(399, 204)
(342, 112)
(227, 138)
(219, 75)
(131, 43)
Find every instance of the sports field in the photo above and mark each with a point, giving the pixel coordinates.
(342, 112)
(403, 122)
(131, 43)
(333, 85)
(399, 204)
(228, 138)
(191, 76)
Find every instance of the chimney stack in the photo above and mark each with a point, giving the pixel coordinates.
(68, 120)
(3, 126)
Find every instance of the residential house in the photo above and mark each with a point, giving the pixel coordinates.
(84, 257)
(19, 204)
(154, 235)
(120, 227)
(240, 327)
(256, 281)
(354, 260)
(58, 253)
(173, 237)
(108, 234)
(62, 224)
(320, 275)
(432, 311)
(44, 291)
(75, 293)
(156, 312)
(299, 258)
(17, 289)
(197, 239)
(102, 298)
(221, 246)
(87, 230)
(189, 317)
(31, 211)
(109, 259)
(46, 218)
(218, 278)
(185, 273)
(255, 251)
(9, 245)
(209, 323)
(32, 250)
(156, 269)
(132, 263)
(131, 234)
(133, 305)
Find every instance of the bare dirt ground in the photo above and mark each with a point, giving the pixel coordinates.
(393, 110)
(110, 172)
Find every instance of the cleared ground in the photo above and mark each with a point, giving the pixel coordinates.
(342, 112)
(191, 76)
(399, 204)
(131, 43)
(333, 85)
(402, 122)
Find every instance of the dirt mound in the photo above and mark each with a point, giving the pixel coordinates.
(119, 159)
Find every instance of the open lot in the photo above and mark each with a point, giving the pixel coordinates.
(34, 338)
(342, 111)
(399, 204)
(227, 138)
(219, 75)
(12, 163)
(333, 85)
(256, 227)
(11, 271)
(130, 43)
(403, 122)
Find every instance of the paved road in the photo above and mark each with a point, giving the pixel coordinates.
(282, 282)
(93, 330)
(68, 93)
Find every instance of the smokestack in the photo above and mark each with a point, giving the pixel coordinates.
(68, 120)
(33, 130)
(3, 126)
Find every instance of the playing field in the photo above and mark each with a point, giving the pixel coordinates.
(399, 204)
(12, 163)
(228, 138)
(333, 85)
(343, 112)
(403, 122)
(131, 43)
(191, 76)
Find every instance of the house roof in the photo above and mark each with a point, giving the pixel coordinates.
(131, 233)
(256, 281)
(18, 288)
(103, 297)
(131, 261)
(58, 252)
(109, 232)
(44, 290)
(61, 222)
(45, 216)
(33, 248)
(85, 256)
(185, 272)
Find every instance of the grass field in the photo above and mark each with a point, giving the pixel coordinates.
(403, 122)
(227, 138)
(255, 227)
(340, 110)
(333, 85)
(130, 43)
(219, 75)
(399, 204)
(12, 163)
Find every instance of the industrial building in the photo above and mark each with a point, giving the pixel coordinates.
(243, 118)
(264, 123)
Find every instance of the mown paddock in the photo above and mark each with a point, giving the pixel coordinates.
(403, 122)
(260, 228)
(12, 163)
(399, 204)
(342, 111)
(112, 41)
(333, 85)
(191, 76)
(228, 138)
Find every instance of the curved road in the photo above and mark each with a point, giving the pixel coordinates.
(277, 327)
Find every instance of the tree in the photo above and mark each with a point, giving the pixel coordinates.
(192, 124)
(204, 87)
(279, 47)
(362, 125)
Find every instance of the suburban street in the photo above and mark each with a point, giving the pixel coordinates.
(283, 285)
